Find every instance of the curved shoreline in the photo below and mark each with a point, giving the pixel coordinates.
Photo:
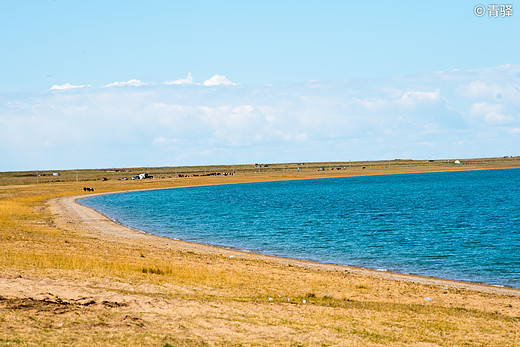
(70, 275)
(100, 226)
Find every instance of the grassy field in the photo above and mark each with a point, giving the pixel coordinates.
(283, 170)
(69, 281)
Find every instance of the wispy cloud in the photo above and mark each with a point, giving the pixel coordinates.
(427, 116)
(67, 86)
(132, 82)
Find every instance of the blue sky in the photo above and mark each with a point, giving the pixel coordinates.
(122, 83)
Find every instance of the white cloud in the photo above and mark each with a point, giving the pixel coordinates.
(219, 80)
(480, 90)
(163, 140)
(496, 118)
(497, 74)
(133, 82)
(509, 92)
(482, 108)
(67, 86)
(492, 113)
(187, 80)
(390, 118)
(413, 97)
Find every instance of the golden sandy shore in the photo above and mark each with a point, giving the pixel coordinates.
(71, 276)
(69, 209)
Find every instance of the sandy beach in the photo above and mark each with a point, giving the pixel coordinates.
(100, 225)
(89, 280)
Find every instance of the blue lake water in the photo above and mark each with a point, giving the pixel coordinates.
(453, 225)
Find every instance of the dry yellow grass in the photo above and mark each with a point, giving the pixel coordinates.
(64, 281)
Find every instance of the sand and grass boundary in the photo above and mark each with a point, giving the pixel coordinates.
(72, 276)
(69, 208)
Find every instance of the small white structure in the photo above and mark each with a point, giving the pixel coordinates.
(56, 174)
(456, 162)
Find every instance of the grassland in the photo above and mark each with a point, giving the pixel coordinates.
(69, 276)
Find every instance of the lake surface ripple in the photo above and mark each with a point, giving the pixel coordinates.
(454, 225)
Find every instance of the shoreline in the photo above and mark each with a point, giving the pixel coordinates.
(105, 222)
(71, 276)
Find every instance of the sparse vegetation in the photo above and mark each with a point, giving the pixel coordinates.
(317, 169)
(63, 282)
